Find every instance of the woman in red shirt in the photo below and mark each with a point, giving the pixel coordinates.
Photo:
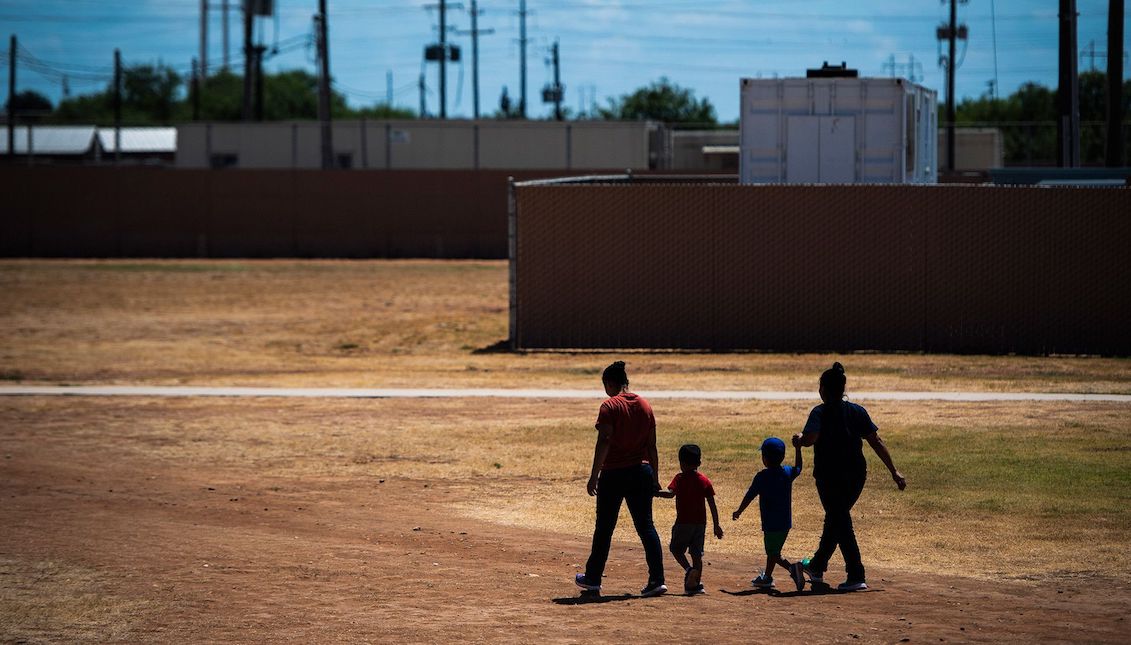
(624, 469)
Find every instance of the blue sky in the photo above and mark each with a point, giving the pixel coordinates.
(608, 47)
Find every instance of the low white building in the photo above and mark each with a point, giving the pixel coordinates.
(90, 144)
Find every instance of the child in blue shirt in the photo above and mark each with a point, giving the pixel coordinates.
(775, 486)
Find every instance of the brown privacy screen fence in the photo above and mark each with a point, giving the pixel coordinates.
(978, 269)
(148, 212)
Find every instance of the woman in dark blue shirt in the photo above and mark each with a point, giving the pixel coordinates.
(837, 430)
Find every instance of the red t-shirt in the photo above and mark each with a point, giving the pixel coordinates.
(691, 492)
(634, 430)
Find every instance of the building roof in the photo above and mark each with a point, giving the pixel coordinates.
(140, 140)
(78, 139)
(50, 139)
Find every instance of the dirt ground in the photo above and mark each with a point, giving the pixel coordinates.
(269, 520)
(144, 520)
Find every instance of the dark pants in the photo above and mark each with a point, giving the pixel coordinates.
(633, 485)
(838, 496)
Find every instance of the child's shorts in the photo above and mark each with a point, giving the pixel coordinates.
(688, 537)
(775, 540)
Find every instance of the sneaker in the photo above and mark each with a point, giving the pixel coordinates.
(797, 572)
(653, 589)
(852, 585)
(814, 576)
(581, 581)
(697, 589)
(691, 580)
(763, 581)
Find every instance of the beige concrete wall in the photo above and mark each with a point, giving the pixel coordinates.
(600, 144)
(687, 147)
(423, 144)
(974, 148)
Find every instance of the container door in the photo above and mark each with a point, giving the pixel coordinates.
(838, 149)
(803, 150)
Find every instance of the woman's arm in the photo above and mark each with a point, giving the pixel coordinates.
(654, 460)
(885, 456)
(600, 451)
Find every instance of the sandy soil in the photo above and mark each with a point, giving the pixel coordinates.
(116, 530)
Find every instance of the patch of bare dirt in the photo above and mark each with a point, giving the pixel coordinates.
(104, 542)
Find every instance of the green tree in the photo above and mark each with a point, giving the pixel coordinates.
(385, 111)
(661, 100)
(1028, 119)
(150, 92)
(29, 101)
(149, 96)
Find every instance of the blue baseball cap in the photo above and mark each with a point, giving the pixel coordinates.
(774, 445)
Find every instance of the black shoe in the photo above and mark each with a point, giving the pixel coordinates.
(852, 585)
(653, 589)
(797, 572)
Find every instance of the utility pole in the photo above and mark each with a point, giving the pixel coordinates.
(12, 97)
(259, 50)
(1114, 153)
(324, 87)
(522, 58)
(224, 23)
(248, 63)
(1068, 92)
(443, 61)
(195, 90)
(950, 73)
(423, 105)
(951, 32)
(204, 36)
(557, 90)
(117, 106)
(442, 52)
(474, 33)
(389, 87)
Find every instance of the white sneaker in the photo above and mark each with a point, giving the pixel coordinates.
(852, 585)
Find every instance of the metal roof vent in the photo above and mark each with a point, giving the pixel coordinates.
(832, 71)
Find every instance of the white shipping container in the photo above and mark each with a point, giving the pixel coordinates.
(837, 131)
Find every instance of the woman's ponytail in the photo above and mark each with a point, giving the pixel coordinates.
(833, 380)
(615, 374)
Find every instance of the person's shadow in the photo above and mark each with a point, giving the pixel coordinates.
(592, 597)
(815, 589)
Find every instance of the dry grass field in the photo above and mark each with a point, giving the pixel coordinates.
(278, 520)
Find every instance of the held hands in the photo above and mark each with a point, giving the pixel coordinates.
(591, 486)
(718, 531)
(796, 440)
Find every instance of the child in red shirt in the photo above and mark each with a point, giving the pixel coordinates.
(690, 488)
